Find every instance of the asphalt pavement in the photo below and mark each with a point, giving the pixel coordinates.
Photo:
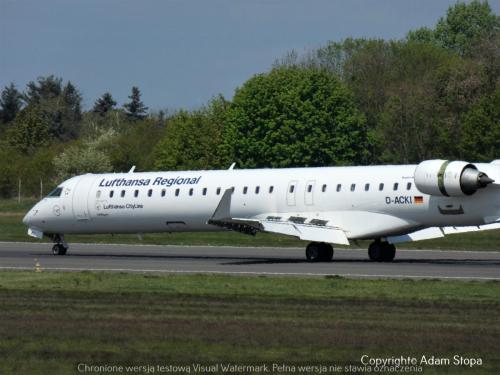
(462, 265)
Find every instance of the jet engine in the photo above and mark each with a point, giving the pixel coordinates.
(449, 178)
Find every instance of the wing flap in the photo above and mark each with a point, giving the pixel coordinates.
(419, 235)
(329, 235)
(307, 232)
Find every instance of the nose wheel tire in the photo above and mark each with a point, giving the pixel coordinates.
(59, 249)
(379, 251)
(319, 252)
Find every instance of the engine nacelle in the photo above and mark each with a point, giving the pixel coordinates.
(449, 178)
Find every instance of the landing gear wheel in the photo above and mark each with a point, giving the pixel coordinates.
(389, 252)
(326, 254)
(59, 249)
(319, 252)
(60, 245)
(379, 251)
(313, 252)
(375, 251)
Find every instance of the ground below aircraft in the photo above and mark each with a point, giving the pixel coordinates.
(325, 206)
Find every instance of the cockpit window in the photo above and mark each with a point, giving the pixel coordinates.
(55, 193)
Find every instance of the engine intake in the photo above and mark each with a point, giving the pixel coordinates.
(449, 178)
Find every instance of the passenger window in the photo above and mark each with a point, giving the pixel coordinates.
(98, 194)
(408, 186)
(395, 186)
(271, 188)
(177, 191)
(163, 192)
(323, 188)
(111, 193)
(204, 191)
(136, 193)
(339, 187)
(55, 193)
(367, 187)
(353, 187)
(123, 194)
(218, 191)
(292, 188)
(309, 188)
(191, 191)
(245, 190)
(381, 186)
(150, 192)
(257, 189)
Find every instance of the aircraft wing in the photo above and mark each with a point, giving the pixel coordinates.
(437, 232)
(351, 224)
(314, 230)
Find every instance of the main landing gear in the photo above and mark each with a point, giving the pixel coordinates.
(381, 251)
(319, 252)
(60, 247)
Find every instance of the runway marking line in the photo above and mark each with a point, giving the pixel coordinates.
(243, 247)
(259, 273)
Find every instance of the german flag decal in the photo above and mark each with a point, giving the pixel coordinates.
(418, 199)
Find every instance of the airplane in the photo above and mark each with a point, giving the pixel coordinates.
(323, 205)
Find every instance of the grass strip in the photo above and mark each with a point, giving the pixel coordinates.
(51, 321)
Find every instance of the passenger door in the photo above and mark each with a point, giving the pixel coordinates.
(81, 197)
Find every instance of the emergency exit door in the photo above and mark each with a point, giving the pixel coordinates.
(309, 193)
(291, 193)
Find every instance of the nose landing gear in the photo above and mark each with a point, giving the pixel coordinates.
(60, 247)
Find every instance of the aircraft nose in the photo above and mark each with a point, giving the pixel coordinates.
(26, 219)
(29, 218)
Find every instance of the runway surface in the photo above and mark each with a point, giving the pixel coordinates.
(464, 265)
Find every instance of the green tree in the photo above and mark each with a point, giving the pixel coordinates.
(104, 104)
(135, 109)
(10, 160)
(43, 89)
(414, 93)
(410, 129)
(422, 35)
(72, 100)
(481, 130)
(369, 73)
(294, 117)
(10, 103)
(87, 156)
(35, 171)
(485, 54)
(65, 113)
(366, 66)
(430, 88)
(61, 105)
(134, 144)
(464, 25)
(29, 130)
(192, 139)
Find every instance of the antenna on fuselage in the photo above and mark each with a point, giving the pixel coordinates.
(232, 166)
(132, 169)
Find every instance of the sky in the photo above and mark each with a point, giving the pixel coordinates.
(180, 53)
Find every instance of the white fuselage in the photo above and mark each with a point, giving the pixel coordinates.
(368, 202)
